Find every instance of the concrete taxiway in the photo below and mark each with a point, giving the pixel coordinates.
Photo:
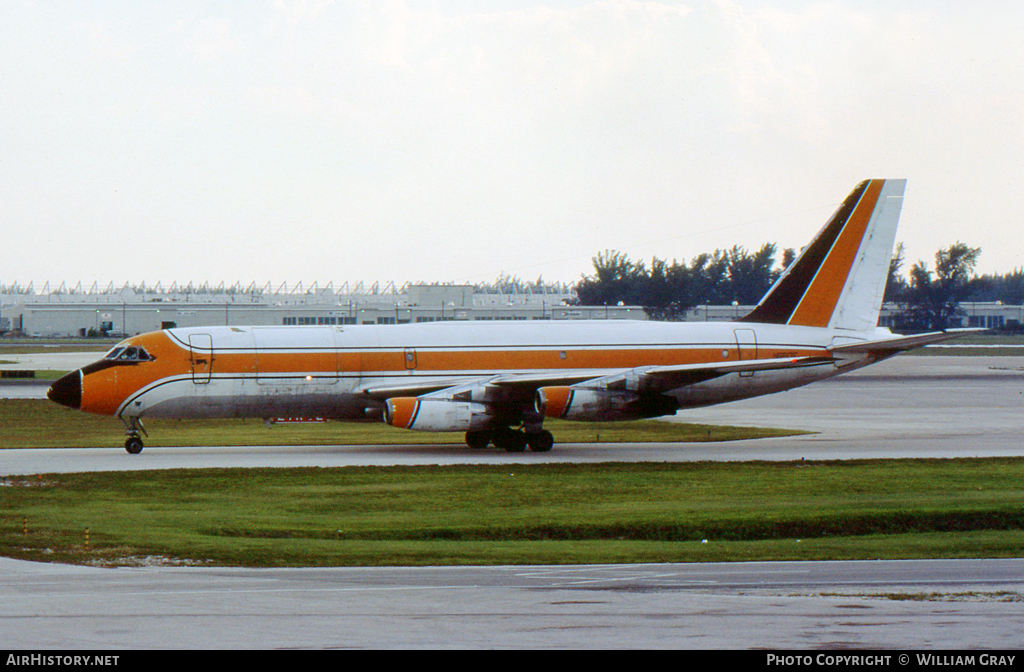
(48, 361)
(876, 605)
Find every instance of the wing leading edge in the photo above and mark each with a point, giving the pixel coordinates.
(645, 378)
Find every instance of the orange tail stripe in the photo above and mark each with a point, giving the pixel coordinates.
(819, 302)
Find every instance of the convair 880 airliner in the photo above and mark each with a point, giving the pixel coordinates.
(497, 382)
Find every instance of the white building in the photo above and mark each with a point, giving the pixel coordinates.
(132, 310)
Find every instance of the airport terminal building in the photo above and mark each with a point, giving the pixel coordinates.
(132, 310)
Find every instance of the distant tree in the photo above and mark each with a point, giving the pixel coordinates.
(1008, 288)
(933, 298)
(750, 275)
(928, 299)
(1012, 288)
(665, 289)
(511, 284)
(616, 278)
(668, 290)
(708, 276)
(896, 286)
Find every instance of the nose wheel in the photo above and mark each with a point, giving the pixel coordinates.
(133, 444)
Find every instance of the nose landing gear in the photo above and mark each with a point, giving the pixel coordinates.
(133, 425)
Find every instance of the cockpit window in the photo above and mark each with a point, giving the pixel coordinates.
(132, 353)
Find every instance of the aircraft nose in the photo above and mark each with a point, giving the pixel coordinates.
(67, 390)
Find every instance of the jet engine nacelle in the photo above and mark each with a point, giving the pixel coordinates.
(574, 403)
(436, 415)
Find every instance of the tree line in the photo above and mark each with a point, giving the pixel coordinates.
(927, 298)
(667, 290)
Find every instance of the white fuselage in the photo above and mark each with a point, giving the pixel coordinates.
(332, 371)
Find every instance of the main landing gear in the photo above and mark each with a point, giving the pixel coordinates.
(133, 444)
(512, 440)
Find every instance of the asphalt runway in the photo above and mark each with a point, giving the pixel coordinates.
(907, 407)
(24, 389)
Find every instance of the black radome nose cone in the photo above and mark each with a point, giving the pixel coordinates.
(67, 390)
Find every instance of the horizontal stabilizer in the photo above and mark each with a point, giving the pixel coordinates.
(890, 346)
(663, 378)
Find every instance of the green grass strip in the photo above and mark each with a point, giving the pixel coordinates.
(37, 423)
(515, 514)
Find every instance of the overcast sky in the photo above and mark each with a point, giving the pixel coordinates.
(451, 141)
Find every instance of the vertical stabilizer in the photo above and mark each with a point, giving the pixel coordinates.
(839, 279)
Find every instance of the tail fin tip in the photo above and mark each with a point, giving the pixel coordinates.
(838, 280)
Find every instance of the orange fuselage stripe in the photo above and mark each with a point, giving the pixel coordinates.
(104, 391)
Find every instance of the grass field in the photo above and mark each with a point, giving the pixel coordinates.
(981, 338)
(521, 514)
(967, 352)
(36, 423)
(44, 374)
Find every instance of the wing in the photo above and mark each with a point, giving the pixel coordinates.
(451, 387)
(664, 378)
(482, 403)
(520, 387)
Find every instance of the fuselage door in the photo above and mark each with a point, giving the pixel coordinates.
(201, 352)
(410, 359)
(746, 346)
